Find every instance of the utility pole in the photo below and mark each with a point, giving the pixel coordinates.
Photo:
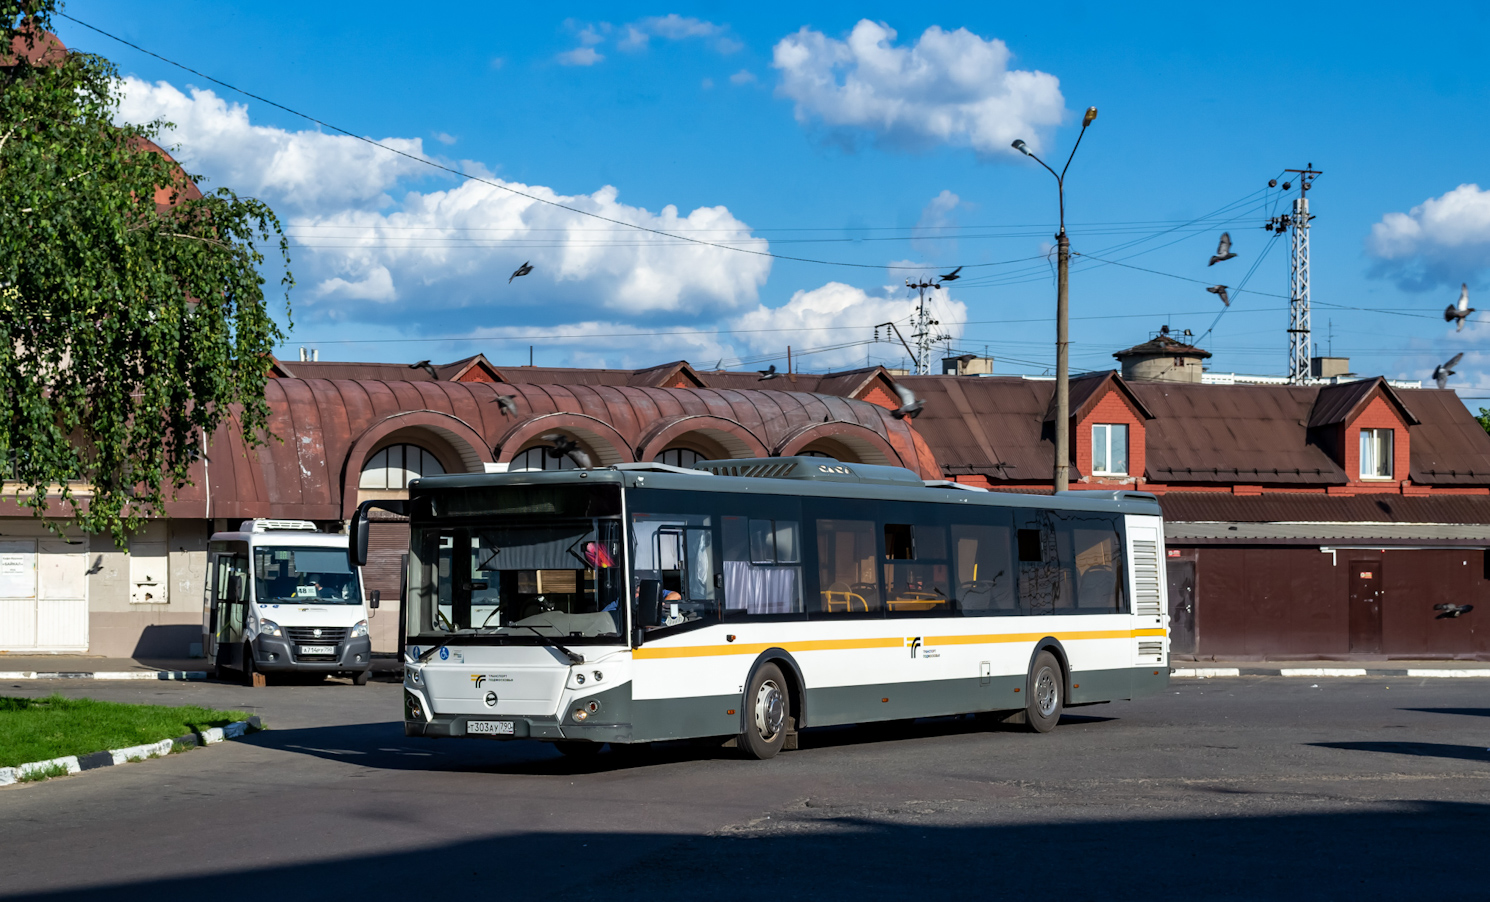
(1062, 314)
(921, 325)
(1298, 273)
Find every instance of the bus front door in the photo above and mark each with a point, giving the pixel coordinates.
(229, 610)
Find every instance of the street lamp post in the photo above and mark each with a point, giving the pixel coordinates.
(1062, 315)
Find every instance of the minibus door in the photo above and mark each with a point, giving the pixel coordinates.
(230, 609)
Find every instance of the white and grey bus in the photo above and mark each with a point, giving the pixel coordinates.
(754, 598)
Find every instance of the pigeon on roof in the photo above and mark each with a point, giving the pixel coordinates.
(769, 373)
(1459, 311)
(427, 367)
(507, 404)
(1223, 250)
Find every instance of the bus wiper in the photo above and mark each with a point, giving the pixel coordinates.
(551, 642)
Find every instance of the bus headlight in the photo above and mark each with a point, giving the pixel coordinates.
(360, 629)
(268, 628)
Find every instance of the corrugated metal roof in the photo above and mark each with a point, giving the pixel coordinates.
(1449, 447)
(1330, 533)
(1336, 404)
(1301, 507)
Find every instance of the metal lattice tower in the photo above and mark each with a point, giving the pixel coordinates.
(1298, 295)
(922, 334)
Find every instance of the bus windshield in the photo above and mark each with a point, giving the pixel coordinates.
(554, 579)
(296, 573)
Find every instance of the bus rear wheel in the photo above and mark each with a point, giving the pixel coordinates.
(1042, 710)
(766, 706)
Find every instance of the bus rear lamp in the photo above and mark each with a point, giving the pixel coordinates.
(592, 707)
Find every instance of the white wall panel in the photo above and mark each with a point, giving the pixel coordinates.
(62, 569)
(62, 624)
(18, 568)
(17, 624)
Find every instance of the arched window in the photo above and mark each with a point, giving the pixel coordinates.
(395, 466)
(679, 457)
(810, 453)
(538, 459)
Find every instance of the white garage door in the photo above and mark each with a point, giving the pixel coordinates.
(43, 595)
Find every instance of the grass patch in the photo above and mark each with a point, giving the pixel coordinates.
(36, 729)
(44, 773)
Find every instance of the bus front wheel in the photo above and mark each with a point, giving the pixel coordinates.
(1042, 709)
(766, 706)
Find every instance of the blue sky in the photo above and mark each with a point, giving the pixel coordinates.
(772, 129)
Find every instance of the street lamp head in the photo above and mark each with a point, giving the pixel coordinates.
(1090, 117)
(1019, 145)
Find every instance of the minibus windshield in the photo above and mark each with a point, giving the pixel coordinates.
(289, 573)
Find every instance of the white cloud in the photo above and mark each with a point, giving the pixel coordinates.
(707, 84)
(1442, 241)
(445, 138)
(303, 169)
(579, 56)
(377, 285)
(800, 322)
(935, 237)
(673, 27)
(743, 77)
(429, 255)
(950, 87)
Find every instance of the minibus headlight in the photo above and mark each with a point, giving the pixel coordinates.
(268, 628)
(360, 629)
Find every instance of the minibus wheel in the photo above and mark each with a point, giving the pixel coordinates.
(766, 708)
(248, 664)
(360, 678)
(1046, 689)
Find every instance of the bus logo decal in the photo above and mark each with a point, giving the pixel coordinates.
(478, 679)
(914, 644)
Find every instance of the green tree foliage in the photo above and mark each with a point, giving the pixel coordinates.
(1484, 419)
(132, 309)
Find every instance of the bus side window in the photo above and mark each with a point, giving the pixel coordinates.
(1044, 584)
(985, 572)
(916, 572)
(762, 566)
(1097, 553)
(848, 577)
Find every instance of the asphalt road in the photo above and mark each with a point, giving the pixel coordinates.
(1249, 788)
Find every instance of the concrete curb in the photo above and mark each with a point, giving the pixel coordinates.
(103, 675)
(74, 764)
(1205, 673)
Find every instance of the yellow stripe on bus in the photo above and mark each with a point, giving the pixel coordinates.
(755, 648)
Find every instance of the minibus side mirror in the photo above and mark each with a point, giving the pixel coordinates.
(374, 598)
(649, 603)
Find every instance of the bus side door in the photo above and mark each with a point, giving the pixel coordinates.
(229, 608)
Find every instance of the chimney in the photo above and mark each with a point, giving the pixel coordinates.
(967, 365)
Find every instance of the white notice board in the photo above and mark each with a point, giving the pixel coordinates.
(17, 568)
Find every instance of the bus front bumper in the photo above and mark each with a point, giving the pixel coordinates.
(447, 726)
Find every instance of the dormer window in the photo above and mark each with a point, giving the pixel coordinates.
(1376, 454)
(1110, 449)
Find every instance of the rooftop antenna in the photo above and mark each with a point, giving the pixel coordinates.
(1298, 272)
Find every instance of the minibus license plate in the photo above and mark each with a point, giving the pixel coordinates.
(318, 649)
(497, 727)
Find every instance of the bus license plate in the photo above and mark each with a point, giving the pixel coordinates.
(318, 649)
(491, 727)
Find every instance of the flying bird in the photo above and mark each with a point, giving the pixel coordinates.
(953, 275)
(507, 404)
(1220, 292)
(564, 446)
(1443, 371)
(910, 405)
(1459, 311)
(1223, 250)
(769, 373)
(425, 365)
(520, 271)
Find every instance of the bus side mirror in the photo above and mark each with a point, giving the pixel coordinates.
(649, 603)
(374, 598)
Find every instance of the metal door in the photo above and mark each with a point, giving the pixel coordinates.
(1181, 606)
(230, 609)
(1365, 607)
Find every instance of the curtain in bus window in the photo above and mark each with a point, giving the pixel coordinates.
(1097, 555)
(916, 568)
(1044, 584)
(762, 572)
(985, 571)
(847, 552)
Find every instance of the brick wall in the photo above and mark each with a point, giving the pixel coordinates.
(1113, 407)
(1378, 414)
